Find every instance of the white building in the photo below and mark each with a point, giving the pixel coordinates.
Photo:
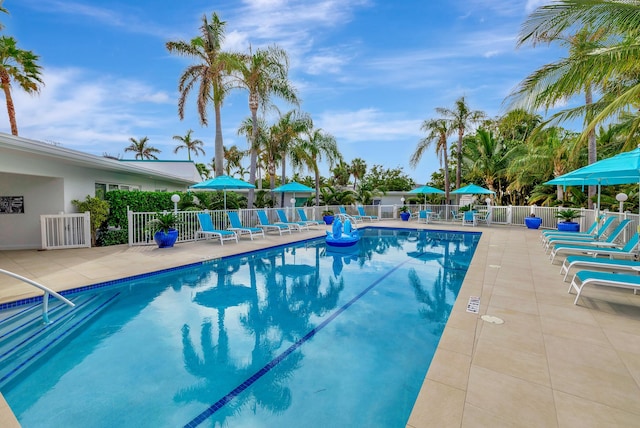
(39, 178)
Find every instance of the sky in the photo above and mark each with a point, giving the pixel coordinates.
(368, 72)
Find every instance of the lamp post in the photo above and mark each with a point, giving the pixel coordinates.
(175, 199)
(621, 197)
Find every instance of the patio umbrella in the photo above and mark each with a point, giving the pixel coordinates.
(224, 183)
(293, 187)
(473, 189)
(425, 190)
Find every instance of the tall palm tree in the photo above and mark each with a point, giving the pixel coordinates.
(316, 145)
(233, 157)
(341, 173)
(142, 149)
(191, 145)
(358, 170)
(486, 158)
(264, 74)
(209, 75)
(438, 131)
(259, 142)
(21, 67)
(460, 118)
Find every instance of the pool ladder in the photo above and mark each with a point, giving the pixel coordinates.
(45, 297)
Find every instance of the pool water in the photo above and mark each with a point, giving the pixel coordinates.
(291, 336)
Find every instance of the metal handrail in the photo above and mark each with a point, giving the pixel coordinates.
(45, 298)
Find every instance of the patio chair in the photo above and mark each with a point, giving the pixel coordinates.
(434, 215)
(295, 225)
(593, 249)
(363, 215)
(208, 231)
(469, 218)
(456, 215)
(303, 217)
(610, 238)
(593, 233)
(423, 216)
(483, 218)
(598, 263)
(266, 225)
(343, 210)
(238, 228)
(592, 229)
(607, 279)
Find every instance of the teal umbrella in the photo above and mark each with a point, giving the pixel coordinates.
(224, 183)
(425, 190)
(293, 187)
(473, 189)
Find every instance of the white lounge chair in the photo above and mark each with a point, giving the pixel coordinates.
(608, 279)
(610, 238)
(363, 215)
(627, 251)
(303, 217)
(294, 225)
(266, 225)
(208, 231)
(598, 263)
(237, 227)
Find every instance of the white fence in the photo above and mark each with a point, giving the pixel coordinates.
(65, 231)
(505, 215)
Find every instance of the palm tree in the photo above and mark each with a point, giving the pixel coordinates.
(260, 144)
(358, 170)
(460, 118)
(438, 130)
(194, 146)
(233, 157)
(486, 158)
(315, 146)
(204, 172)
(341, 173)
(209, 75)
(20, 66)
(264, 74)
(141, 149)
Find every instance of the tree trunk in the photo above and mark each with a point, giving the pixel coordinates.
(253, 153)
(219, 148)
(11, 110)
(591, 141)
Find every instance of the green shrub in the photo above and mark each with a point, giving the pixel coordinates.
(112, 237)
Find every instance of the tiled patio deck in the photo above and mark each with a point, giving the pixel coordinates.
(550, 364)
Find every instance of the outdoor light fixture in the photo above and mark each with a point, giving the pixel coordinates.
(621, 197)
(175, 199)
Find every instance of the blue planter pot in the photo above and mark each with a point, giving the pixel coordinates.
(405, 216)
(568, 226)
(166, 240)
(328, 219)
(532, 222)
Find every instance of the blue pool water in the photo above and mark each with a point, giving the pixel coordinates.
(286, 337)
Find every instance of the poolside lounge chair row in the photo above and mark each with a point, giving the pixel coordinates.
(615, 265)
(237, 229)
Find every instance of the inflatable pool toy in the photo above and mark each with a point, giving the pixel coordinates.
(342, 237)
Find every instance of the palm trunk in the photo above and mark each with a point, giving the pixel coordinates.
(253, 106)
(11, 110)
(219, 148)
(283, 177)
(591, 141)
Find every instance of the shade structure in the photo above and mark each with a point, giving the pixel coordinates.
(224, 183)
(473, 189)
(293, 187)
(623, 168)
(426, 190)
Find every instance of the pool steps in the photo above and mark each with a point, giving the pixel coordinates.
(24, 338)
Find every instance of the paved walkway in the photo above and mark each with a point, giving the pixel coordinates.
(550, 364)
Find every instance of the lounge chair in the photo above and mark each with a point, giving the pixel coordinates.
(595, 234)
(608, 279)
(599, 263)
(208, 231)
(423, 216)
(363, 215)
(627, 251)
(295, 225)
(456, 215)
(303, 217)
(592, 229)
(610, 238)
(237, 227)
(266, 225)
(355, 218)
(484, 218)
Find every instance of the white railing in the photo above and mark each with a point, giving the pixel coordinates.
(505, 215)
(65, 231)
(45, 297)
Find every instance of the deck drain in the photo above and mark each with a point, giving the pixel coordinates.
(492, 319)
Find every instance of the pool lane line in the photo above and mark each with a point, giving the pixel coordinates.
(270, 365)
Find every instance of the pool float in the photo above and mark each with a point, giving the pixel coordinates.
(342, 237)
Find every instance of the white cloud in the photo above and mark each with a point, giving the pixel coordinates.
(366, 125)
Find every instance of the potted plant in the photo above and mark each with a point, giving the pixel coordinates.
(404, 213)
(327, 216)
(567, 224)
(532, 222)
(164, 229)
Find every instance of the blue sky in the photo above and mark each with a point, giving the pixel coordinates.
(368, 71)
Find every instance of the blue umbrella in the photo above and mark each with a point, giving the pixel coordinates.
(293, 187)
(224, 183)
(426, 190)
(473, 189)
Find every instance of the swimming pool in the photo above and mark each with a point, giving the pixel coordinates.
(289, 336)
